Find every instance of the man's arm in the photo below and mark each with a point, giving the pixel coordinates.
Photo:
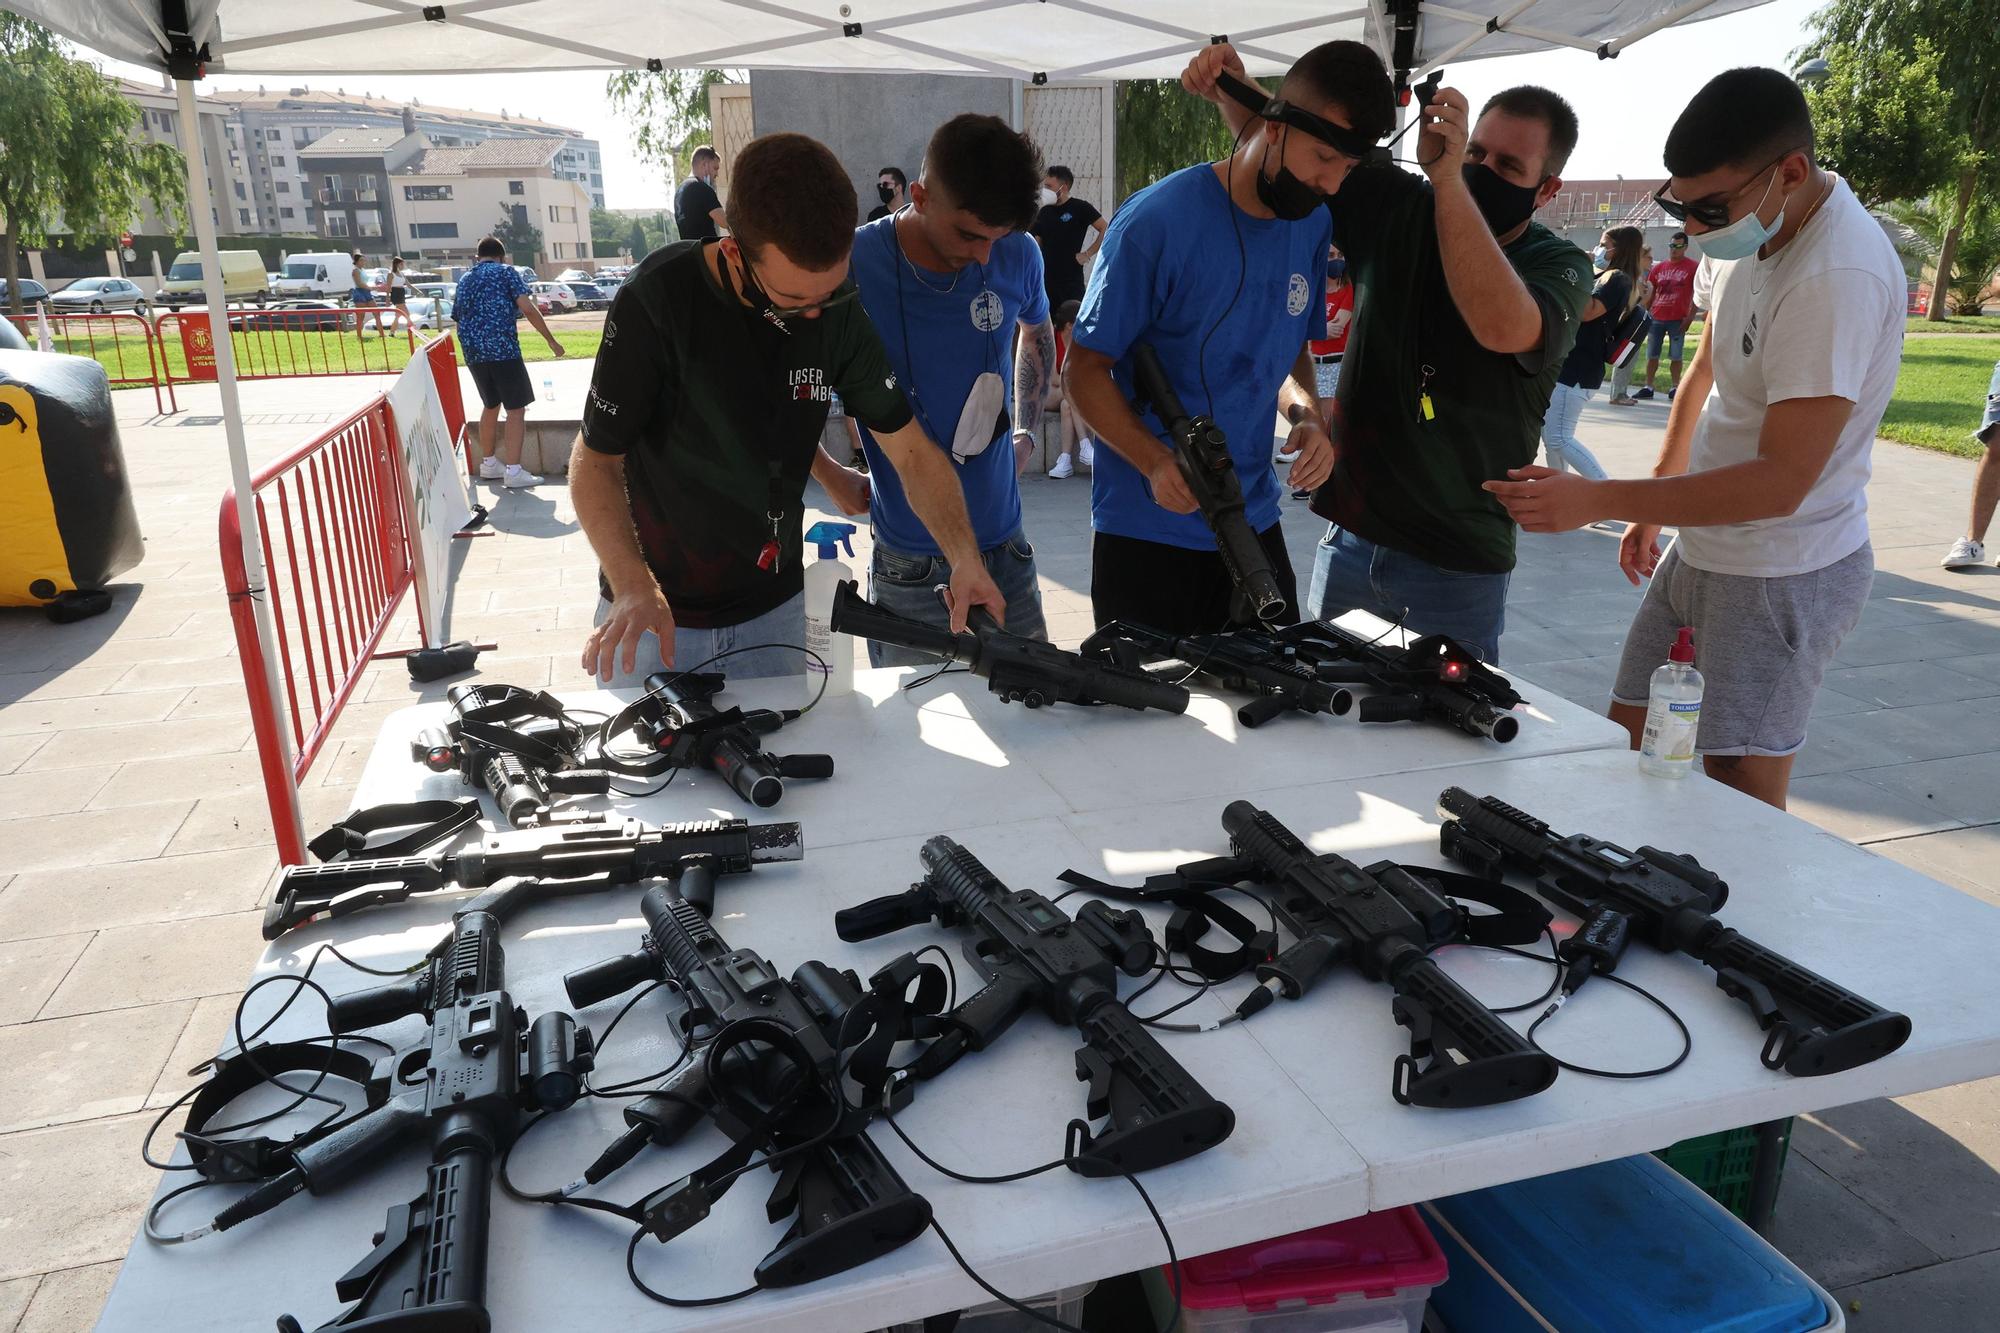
(1034, 365)
(1309, 445)
(1200, 75)
(845, 486)
(1114, 423)
(597, 488)
(1090, 242)
(526, 305)
(1489, 295)
(720, 219)
(930, 482)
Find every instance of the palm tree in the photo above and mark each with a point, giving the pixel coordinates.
(1918, 227)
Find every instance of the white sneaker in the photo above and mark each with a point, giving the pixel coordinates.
(518, 476)
(490, 468)
(1063, 468)
(1085, 454)
(1965, 553)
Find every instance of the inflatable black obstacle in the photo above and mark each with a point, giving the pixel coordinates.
(67, 525)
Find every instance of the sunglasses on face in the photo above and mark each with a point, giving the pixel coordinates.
(841, 295)
(1711, 215)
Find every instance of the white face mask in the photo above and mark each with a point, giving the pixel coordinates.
(1048, 197)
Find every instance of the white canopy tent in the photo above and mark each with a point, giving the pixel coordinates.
(1033, 40)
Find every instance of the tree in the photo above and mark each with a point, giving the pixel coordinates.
(635, 240)
(669, 111)
(68, 151)
(607, 232)
(1966, 39)
(1924, 223)
(1160, 129)
(1876, 119)
(522, 238)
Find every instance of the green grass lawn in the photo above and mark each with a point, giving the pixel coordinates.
(1956, 324)
(1941, 393)
(273, 352)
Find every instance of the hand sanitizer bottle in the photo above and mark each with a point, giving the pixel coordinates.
(1673, 713)
(823, 576)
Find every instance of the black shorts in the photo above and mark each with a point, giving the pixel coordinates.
(503, 383)
(1172, 588)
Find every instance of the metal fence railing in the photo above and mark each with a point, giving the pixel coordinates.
(126, 344)
(276, 343)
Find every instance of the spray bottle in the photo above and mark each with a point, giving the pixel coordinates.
(1673, 712)
(823, 576)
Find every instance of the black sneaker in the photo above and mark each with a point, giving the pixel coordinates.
(1670, 395)
(1643, 393)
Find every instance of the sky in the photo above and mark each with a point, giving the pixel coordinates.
(1625, 105)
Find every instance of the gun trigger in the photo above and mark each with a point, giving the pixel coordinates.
(1093, 1068)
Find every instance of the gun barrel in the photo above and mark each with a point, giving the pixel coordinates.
(960, 876)
(1518, 834)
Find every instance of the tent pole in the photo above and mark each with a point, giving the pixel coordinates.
(214, 298)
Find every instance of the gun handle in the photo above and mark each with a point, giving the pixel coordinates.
(1399, 707)
(329, 1162)
(1262, 709)
(1817, 1026)
(1157, 1113)
(614, 976)
(880, 916)
(428, 1271)
(1475, 1059)
(681, 1104)
(379, 1004)
(695, 886)
(806, 766)
(852, 1208)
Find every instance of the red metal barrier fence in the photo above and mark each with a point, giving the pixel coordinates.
(124, 343)
(336, 534)
(271, 344)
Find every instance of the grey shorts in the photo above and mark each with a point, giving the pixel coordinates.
(1986, 432)
(1762, 646)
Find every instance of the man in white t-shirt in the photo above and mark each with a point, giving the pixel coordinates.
(1765, 465)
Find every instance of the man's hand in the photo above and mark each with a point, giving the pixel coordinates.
(1541, 499)
(1311, 450)
(614, 645)
(1170, 491)
(1639, 551)
(555, 348)
(1200, 74)
(848, 489)
(972, 586)
(1441, 142)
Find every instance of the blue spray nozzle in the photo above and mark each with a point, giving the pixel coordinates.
(825, 535)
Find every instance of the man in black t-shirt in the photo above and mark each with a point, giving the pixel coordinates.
(1063, 230)
(892, 187)
(697, 211)
(712, 387)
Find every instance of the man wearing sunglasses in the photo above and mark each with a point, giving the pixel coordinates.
(711, 390)
(1219, 268)
(1765, 464)
(1671, 312)
(1464, 311)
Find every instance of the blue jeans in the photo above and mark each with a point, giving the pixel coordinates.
(1353, 574)
(1673, 332)
(1559, 440)
(905, 584)
(693, 647)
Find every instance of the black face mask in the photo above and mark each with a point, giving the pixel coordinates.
(887, 192)
(1286, 195)
(1502, 203)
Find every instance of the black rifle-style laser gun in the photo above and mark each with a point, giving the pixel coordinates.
(1248, 661)
(1035, 955)
(684, 725)
(1435, 678)
(1018, 669)
(1816, 1026)
(516, 744)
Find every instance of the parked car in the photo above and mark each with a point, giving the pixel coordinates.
(98, 295)
(528, 275)
(448, 290)
(296, 317)
(573, 275)
(553, 298)
(429, 312)
(32, 294)
(589, 296)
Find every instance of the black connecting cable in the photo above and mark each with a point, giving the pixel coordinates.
(1562, 976)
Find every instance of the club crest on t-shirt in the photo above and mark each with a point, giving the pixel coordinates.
(809, 385)
(986, 311)
(1297, 294)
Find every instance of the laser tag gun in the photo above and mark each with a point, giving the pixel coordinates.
(1035, 955)
(680, 720)
(617, 852)
(1434, 679)
(765, 1064)
(1019, 670)
(1816, 1026)
(1382, 921)
(467, 1086)
(1201, 451)
(517, 744)
(1244, 660)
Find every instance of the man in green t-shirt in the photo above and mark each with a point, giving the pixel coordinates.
(1464, 311)
(717, 369)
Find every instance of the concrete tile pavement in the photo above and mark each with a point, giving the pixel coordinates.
(134, 845)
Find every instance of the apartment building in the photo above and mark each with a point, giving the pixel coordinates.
(229, 200)
(447, 198)
(347, 176)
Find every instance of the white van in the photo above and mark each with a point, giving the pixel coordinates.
(328, 276)
(242, 279)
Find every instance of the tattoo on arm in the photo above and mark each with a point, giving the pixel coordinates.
(1033, 364)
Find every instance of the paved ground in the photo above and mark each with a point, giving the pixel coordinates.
(134, 847)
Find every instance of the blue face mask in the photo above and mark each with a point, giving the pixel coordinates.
(1745, 236)
(1336, 268)
(1598, 257)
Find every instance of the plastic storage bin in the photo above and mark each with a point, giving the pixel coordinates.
(1614, 1248)
(993, 1317)
(1369, 1274)
(1721, 1165)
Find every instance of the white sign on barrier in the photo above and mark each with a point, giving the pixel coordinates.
(439, 505)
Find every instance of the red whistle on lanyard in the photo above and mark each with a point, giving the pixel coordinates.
(767, 559)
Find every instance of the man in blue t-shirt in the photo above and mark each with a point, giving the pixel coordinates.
(945, 280)
(1220, 269)
(485, 307)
